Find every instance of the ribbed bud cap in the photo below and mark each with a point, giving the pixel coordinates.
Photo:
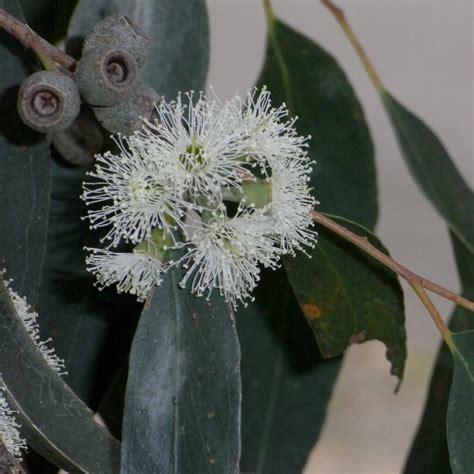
(106, 75)
(48, 101)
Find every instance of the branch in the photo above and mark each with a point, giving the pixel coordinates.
(410, 277)
(32, 40)
(341, 19)
(435, 316)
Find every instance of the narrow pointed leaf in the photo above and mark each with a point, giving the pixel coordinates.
(288, 379)
(182, 404)
(309, 80)
(178, 32)
(91, 329)
(24, 173)
(286, 383)
(433, 170)
(55, 422)
(429, 450)
(39, 18)
(460, 417)
(348, 297)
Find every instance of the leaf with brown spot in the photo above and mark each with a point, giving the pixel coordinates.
(311, 311)
(286, 383)
(356, 298)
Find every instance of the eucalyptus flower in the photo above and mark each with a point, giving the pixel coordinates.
(226, 254)
(9, 429)
(290, 207)
(239, 167)
(30, 321)
(137, 194)
(132, 272)
(266, 131)
(195, 138)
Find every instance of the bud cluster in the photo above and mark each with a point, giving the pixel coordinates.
(106, 80)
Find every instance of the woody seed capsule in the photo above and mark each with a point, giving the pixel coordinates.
(119, 31)
(48, 101)
(127, 116)
(106, 76)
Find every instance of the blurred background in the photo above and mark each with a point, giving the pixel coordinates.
(423, 51)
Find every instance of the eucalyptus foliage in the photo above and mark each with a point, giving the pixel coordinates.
(169, 299)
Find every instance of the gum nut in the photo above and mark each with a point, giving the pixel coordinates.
(79, 143)
(106, 76)
(128, 116)
(48, 101)
(120, 32)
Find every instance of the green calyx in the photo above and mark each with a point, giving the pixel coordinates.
(156, 245)
(254, 193)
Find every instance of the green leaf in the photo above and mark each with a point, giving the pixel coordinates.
(55, 422)
(308, 79)
(348, 297)
(112, 404)
(24, 173)
(429, 452)
(286, 384)
(91, 330)
(51, 27)
(179, 35)
(433, 170)
(460, 417)
(182, 404)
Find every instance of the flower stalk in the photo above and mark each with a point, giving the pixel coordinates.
(28, 38)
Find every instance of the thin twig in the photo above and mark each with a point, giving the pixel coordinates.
(32, 40)
(435, 316)
(410, 277)
(341, 19)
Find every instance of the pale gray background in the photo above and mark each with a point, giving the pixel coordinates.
(423, 51)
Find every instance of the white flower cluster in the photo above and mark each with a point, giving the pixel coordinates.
(9, 429)
(227, 183)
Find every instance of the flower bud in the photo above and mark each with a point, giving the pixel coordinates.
(127, 116)
(106, 76)
(118, 31)
(81, 141)
(48, 101)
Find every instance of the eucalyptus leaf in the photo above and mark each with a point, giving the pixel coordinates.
(55, 422)
(178, 32)
(460, 416)
(91, 330)
(348, 297)
(433, 170)
(24, 173)
(287, 378)
(308, 79)
(286, 384)
(182, 403)
(429, 450)
(51, 27)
